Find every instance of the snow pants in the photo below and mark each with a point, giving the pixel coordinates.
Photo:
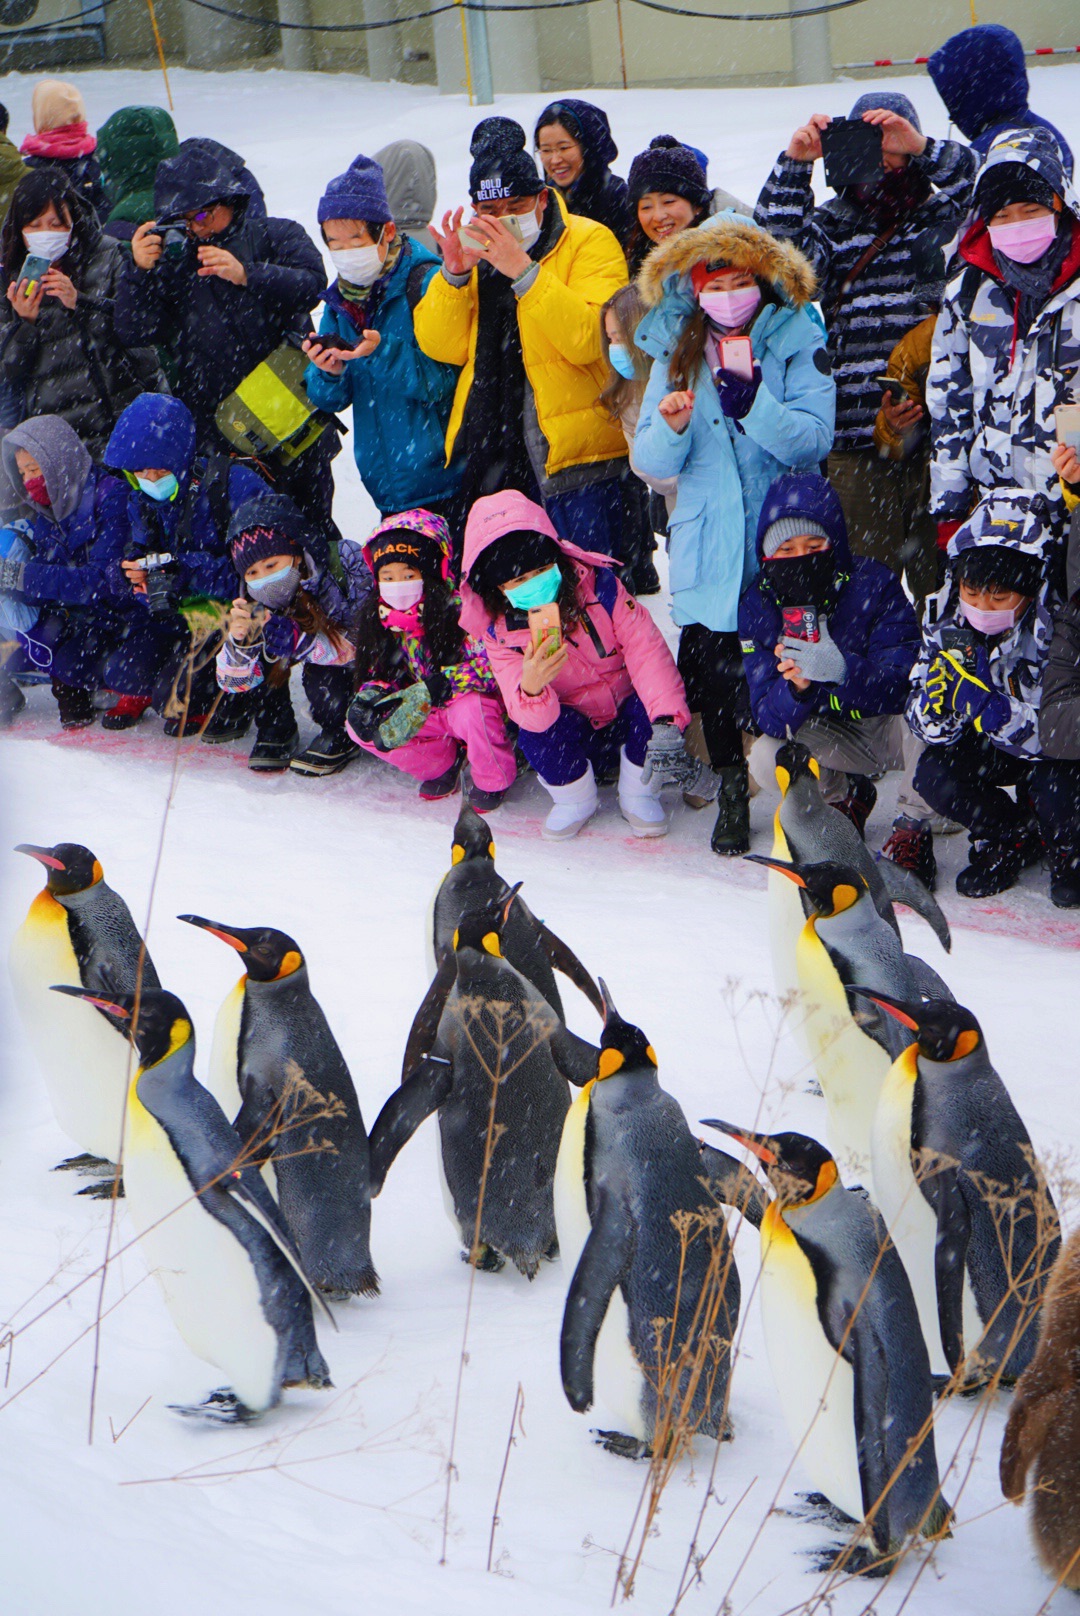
(967, 782)
(562, 753)
(476, 722)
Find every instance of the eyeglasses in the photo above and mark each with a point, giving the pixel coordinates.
(201, 215)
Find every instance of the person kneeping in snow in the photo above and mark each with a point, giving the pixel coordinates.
(426, 700)
(599, 685)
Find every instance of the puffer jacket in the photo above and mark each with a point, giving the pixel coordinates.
(77, 363)
(897, 289)
(1018, 659)
(725, 467)
(400, 398)
(909, 363)
(1059, 711)
(131, 144)
(981, 75)
(992, 389)
(616, 650)
(871, 622)
(559, 321)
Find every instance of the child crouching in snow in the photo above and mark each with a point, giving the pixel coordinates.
(290, 611)
(425, 698)
(604, 687)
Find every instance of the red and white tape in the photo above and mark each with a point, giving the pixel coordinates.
(921, 61)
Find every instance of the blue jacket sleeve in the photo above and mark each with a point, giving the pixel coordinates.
(99, 577)
(658, 450)
(797, 429)
(878, 681)
(778, 708)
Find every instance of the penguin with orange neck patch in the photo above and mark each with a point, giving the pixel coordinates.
(845, 1349)
(80, 933)
(963, 1195)
(277, 1068)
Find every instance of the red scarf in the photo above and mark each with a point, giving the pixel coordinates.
(71, 140)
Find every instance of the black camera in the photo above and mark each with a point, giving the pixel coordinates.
(175, 241)
(160, 569)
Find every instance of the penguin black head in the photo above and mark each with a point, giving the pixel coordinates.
(623, 1047)
(69, 867)
(944, 1031)
(482, 928)
(798, 1168)
(472, 839)
(831, 888)
(268, 955)
(163, 1023)
(794, 763)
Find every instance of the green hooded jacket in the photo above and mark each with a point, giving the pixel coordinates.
(130, 146)
(12, 169)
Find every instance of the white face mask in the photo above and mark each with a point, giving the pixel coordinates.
(529, 225)
(360, 266)
(50, 244)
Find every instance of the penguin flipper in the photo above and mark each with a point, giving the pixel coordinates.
(871, 1373)
(733, 1183)
(410, 1104)
(603, 1264)
(274, 1225)
(425, 1027)
(575, 1058)
(906, 888)
(942, 1190)
(564, 959)
(928, 982)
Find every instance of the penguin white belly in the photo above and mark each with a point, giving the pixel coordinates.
(850, 1067)
(225, 1052)
(618, 1380)
(786, 921)
(815, 1385)
(206, 1276)
(85, 1062)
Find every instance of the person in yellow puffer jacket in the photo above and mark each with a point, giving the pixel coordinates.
(520, 315)
(902, 434)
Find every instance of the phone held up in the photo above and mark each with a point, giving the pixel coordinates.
(1067, 425)
(800, 623)
(737, 355)
(957, 638)
(545, 626)
(896, 390)
(471, 244)
(852, 152)
(32, 271)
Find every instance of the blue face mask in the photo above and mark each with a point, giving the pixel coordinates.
(538, 591)
(277, 589)
(622, 360)
(164, 489)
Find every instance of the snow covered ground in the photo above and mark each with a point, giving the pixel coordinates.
(335, 1503)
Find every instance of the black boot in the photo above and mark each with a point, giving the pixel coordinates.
(731, 833)
(328, 753)
(994, 866)
(76, 706)
(1065, 878)
(858, 805)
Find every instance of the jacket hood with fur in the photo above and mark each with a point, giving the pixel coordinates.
(739, 243)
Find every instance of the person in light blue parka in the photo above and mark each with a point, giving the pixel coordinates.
(726, 437)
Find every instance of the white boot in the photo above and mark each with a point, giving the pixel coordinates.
(640, 804)
(575, 804)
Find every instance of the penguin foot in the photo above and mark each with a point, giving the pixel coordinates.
(102, 1190)
(816, 1507)
(814, 1087)
(860, 1560)
(87, 1166)
(222, 1407)
(488, 1260)
(552, 1252)
(626, 1447)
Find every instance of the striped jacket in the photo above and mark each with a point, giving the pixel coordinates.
(897, 289)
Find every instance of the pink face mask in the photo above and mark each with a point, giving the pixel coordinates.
(989, 622)
(1026, 240)
(731, 309)
(402, 595)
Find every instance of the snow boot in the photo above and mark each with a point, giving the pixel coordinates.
(1064, 879)
(230, 721)
(443, 785)
(731, 833)
(575, 805)
(12, 701)
(76, 706)
(994, 866)
(125, 712)
(640, 804)
(858, 805)
(271, 754)
(911, 846)
(484, 802)
(328, 753)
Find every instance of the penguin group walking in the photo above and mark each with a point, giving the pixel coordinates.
(913, 1250)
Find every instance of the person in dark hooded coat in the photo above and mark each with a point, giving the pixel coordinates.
(575, 146)
(130, 146)
(982, 77)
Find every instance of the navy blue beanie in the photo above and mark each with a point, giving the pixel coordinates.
(669, 166)
(886, 101)
(501, 166)
(587, 123)
(360, 193)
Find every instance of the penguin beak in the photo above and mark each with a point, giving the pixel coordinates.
(233, 939)
(610, 1012)
(44, 855)
(108, 1006)
(758, 1143)
(893, 1007)
(508, 905)
(775, 864)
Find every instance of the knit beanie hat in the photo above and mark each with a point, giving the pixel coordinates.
(667, 166)
(359, 193)
(983, 564)
(887, 101)
(789, 527)
(510, 556)
(501, 166)
(253, 544)
(55, 104)
(1011, 182)
(406, 544)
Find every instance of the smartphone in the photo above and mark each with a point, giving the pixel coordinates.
(1067, 425)
(852, 152)
(737, 355)
(956, 637)
(32, 271)
(509, 220)
(469, 242)
(895, 389)
(800, 623)
(545, 625)
(333, 344)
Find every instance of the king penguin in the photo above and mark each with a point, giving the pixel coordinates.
(270, 1034)
(79, 932)
(472, 883)
(209, 1228)
(963, 1196)
(846, 1353)
(845, 943)
(629, 1173)
(489, 1054)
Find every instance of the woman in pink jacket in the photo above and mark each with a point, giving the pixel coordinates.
(603, 685)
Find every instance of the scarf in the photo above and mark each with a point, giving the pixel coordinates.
(71, 140)
(361, 302)
(891, 199)
(1033, 283)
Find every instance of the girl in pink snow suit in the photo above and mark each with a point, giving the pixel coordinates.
(609, 689)
(409, 646)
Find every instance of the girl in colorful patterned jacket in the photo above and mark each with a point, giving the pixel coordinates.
(289, 611)
(425, 696)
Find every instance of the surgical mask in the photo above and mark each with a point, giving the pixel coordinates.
(802, 580)
(164, 489)
(622, 360)
(277, 590)
(50, 244)
(998, 622)
(538, 591)
(529, 225)
(1026, 240)
(403, 594)
(731, 309)
(360, 266)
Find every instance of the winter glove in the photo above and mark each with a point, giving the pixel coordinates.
(820, 660)
(12, 574)
(368, 709)
(278, 637)
(666, 759)
(406, 718)
(737, 393)
(970, 692)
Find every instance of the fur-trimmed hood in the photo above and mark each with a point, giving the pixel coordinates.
(739, 242)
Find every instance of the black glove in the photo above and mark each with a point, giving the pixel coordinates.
(367, 710)
(737, 393)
